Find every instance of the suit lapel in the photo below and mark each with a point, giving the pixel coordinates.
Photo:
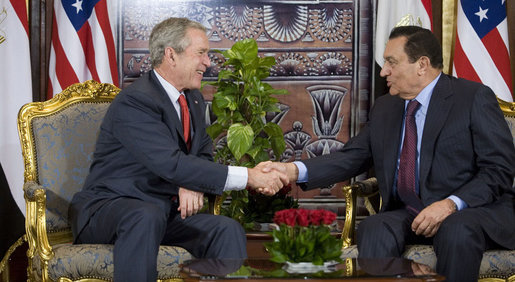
(391, 139)
(170, 115)
(197, 117)
(438, 110)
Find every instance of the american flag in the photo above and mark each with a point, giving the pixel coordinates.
(83, 45)
(481, 51)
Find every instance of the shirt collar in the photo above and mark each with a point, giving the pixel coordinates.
(171, 91)
(425, 95)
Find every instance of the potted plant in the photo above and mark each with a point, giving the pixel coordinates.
(241, 133)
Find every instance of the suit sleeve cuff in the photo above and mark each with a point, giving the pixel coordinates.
(237, 177)
(303, 172)
(460, 204)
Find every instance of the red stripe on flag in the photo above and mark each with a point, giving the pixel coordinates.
(50, 90)
(92, 63)
(429, 10)
(103, 20)
(495, 47)
(20, 7)
(462, 64)
(63, 69)
(86, 40)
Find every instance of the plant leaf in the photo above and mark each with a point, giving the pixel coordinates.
(239, 139)
(214, 130)
(273, 130)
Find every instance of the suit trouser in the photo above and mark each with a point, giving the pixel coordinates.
(137, 228)
(459, 243)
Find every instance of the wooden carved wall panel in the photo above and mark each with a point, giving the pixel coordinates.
(315, 46)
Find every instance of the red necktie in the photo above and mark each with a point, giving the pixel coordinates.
(406, 186)
(185, 117)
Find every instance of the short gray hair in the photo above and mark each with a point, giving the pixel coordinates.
(170, 33)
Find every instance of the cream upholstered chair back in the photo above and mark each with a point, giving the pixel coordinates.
(58, 139)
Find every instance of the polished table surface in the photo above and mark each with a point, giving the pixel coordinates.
(389, 269)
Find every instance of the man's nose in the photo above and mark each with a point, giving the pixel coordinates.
(384, 71)
(206, 61)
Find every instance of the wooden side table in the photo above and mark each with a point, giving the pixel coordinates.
(255, 245)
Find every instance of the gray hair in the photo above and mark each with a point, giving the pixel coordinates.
(170, 33)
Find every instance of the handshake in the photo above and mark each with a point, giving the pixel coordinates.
(269, 177)
(266, 178)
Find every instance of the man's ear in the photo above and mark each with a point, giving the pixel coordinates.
(170, 54)
(423, 65)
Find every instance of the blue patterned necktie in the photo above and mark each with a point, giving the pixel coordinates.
(406, 186)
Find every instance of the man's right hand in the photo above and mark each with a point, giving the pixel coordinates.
(190, 202)
(290, 169)
(269, 182)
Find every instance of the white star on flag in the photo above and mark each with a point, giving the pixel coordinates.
(481, 14)
(78, 5)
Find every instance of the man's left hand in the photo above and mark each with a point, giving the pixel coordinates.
(190, 202)
(429, 219)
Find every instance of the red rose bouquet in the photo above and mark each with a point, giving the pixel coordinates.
(304, 236)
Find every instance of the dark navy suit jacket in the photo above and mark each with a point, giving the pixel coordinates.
(141, 152)
(467, 150)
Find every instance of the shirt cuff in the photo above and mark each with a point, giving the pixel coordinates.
(237, 177)
(303, 172)
(460, 204)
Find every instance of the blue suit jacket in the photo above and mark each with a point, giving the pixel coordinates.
(467, 150)
(141, 152)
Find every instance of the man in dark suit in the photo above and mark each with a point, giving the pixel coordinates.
(445, 170)
(148, 176)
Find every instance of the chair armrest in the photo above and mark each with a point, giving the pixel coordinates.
(364, 188)
(35, 221)
(214, 204)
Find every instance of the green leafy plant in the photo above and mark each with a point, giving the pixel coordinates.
(304, 236)
(240, 103)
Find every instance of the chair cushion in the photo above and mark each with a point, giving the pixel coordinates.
(96, 261)
(495, 263)
(350, 252)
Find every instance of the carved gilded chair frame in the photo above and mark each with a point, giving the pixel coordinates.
(39, 240)
(507, 108)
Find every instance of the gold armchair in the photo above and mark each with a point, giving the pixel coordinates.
(58, 139)
(496, 265)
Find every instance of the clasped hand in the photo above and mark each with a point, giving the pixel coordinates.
(267, 178)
